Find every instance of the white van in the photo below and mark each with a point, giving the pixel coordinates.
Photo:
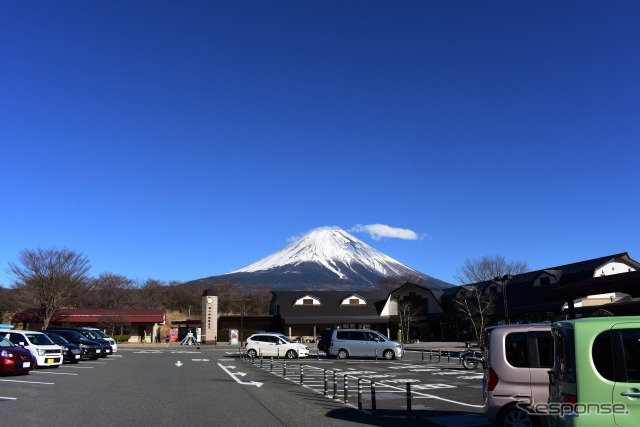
(46, 352)
(363, 343)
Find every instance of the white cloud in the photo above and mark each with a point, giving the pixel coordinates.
(378, 231)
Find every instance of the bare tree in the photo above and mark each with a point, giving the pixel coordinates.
(488, 267)
(407, 313)
(476, 306)
(48, 279)
(109, 291)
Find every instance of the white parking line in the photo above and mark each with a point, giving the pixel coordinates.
(54, 373)
(8, 398)
(25, 382)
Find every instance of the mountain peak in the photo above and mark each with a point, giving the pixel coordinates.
(340, 254)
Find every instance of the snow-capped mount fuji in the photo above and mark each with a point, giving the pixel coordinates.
(324, 259)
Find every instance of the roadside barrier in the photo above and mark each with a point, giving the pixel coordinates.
(345, 380)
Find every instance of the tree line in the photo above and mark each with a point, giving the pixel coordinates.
(49, 279)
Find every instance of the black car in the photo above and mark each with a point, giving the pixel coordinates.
(90, 349)
(324, 339)
(90, 335)
(71, 353)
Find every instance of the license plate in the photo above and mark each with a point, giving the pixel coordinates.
(50, 361)
(26, 364)
(98, 351)
(77, 356)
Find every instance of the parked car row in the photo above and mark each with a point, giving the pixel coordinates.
(22, 351)
(581, 372)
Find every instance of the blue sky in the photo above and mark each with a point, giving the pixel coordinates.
(178, 140)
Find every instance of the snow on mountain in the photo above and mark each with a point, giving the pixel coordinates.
(337, 256)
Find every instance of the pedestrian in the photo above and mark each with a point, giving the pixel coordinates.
(167, 339)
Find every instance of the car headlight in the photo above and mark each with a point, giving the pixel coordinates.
(5, 353)
(41, 352)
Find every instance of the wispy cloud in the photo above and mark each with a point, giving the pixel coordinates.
(379, 231)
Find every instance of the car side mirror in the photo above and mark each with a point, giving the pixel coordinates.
(21, 343)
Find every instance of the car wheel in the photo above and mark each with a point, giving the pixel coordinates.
(388, 354)
(516, 417)
(291, 354)
(342, 354)
(252, 353)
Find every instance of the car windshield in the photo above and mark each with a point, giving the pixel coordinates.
(285, 338)
(75, 335)
(99, 333)
(6, 343)
(91, 335)
(39, 339)
(57, 339)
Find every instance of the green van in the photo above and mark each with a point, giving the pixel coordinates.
(595, 378)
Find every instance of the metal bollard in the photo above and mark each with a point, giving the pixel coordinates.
(439, 355)
(376, 354)
(409, 398)
(301, 375)
(449, 357)
(271, 369)
(278, 353)
(423, 354)
(317, 354)
(284, 368)
(346, 389)
(326, 383)
(373, 396)
(360, 394)
(335, 385)
(430, 354)
(261, 359)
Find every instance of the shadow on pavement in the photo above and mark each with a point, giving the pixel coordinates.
(391, 418)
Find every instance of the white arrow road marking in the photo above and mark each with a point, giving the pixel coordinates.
(232, 375)
(178, 363)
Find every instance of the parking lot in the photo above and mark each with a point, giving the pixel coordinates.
(185, 385)
(431, 386)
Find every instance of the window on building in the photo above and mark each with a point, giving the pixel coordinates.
(307, 301)
(546, 280)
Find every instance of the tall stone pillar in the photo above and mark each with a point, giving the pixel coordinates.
(209, 316)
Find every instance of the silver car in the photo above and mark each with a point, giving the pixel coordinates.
(516, 378)
(363, 343)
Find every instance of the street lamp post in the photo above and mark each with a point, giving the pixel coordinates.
(502, 280)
